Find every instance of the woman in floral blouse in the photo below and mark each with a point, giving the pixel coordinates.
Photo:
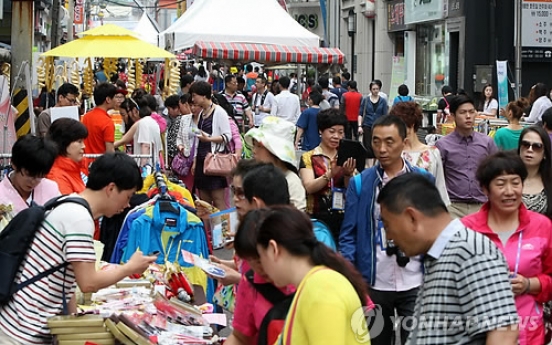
(417, 153)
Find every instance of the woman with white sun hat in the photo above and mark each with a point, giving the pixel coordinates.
(273, 142)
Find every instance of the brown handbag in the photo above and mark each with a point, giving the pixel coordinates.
(218, 163)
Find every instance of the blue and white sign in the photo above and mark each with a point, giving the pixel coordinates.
(419, 11)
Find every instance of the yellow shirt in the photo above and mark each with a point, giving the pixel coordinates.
(324, 311)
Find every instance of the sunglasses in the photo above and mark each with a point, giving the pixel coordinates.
(537, 147)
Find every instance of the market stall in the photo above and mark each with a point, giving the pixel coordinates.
(214, 21)
(111, 43)
(267, 53)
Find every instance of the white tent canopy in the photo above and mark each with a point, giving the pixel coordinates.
(245, 21)
(147, 30)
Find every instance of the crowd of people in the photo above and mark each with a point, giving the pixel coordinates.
(458, 231)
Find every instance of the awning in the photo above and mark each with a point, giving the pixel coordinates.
(268, 53)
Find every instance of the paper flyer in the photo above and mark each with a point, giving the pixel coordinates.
(202, 263)
(223, 227)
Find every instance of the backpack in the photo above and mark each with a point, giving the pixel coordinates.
(16, 240)
(274, 321)
(323, 233)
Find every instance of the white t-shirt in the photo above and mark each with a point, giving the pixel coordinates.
(492, 105)
(148, 132)
(297, 193)
(287, 106)
(268, 102)
(61, 238)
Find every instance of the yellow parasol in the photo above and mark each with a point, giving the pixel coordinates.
(109, 41)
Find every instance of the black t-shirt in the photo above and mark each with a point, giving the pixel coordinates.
(442, 105)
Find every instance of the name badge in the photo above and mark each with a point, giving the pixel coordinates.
(338, 199)
(381, 237)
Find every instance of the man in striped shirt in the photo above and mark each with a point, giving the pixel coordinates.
(66, 235)
(466, 296)
(238, 101)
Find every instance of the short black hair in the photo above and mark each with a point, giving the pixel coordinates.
(446, 89)
(346, 75)
(229, 78)
(34, 154)
(284, 82)
(457, 101)
(244, 166)
(249, 67)
(172, 101)
(324, 82)
(316, 97)
(267, 183)
(64, 131)
(240, 80)
(336, 80)
(547, 118)
(67, 89)
(116, 167)
(185, 98)
(151, 102)
(201, 88)
(391, 120)
(331, 117)
(103, 91)
(263, 79)
(500, 163)
(352, 84)
(403, 90)
(186, 80)
(412, 190)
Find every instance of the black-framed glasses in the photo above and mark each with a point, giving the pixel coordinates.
(537, 147)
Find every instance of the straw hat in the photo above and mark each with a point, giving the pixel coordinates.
(278, 136)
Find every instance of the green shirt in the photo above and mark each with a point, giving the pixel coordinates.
(507, 139)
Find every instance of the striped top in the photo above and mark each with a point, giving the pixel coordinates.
(238, 101)
(65, 235)
(466, 291)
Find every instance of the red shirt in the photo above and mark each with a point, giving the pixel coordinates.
(352, 101)
(101, 129)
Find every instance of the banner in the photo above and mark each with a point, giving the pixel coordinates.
(502, 76)
(398, 76)
(79, 12)
(324, 20)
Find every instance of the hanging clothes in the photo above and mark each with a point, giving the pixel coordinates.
(169, 233)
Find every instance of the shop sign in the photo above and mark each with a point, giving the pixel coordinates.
(536, 30)
(455, 8)
(308, 21)
(419, 11)
(395, 16)
(79, 12)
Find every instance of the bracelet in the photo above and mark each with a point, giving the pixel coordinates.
(528, 286)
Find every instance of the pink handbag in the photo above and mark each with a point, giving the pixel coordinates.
(219, 164)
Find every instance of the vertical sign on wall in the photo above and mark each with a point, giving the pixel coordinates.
(79, 12)
(502, 76)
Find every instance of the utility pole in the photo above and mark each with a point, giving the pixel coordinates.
(518, 13)
(22, 33)
(71, 20)
(55, 29)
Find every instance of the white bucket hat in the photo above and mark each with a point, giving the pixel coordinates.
(278, 136)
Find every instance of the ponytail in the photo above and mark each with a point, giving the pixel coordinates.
(321, 254)
(292, 229)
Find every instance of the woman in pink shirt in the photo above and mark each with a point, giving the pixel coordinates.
(251, 306)
(32, 159)
(525, 238)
